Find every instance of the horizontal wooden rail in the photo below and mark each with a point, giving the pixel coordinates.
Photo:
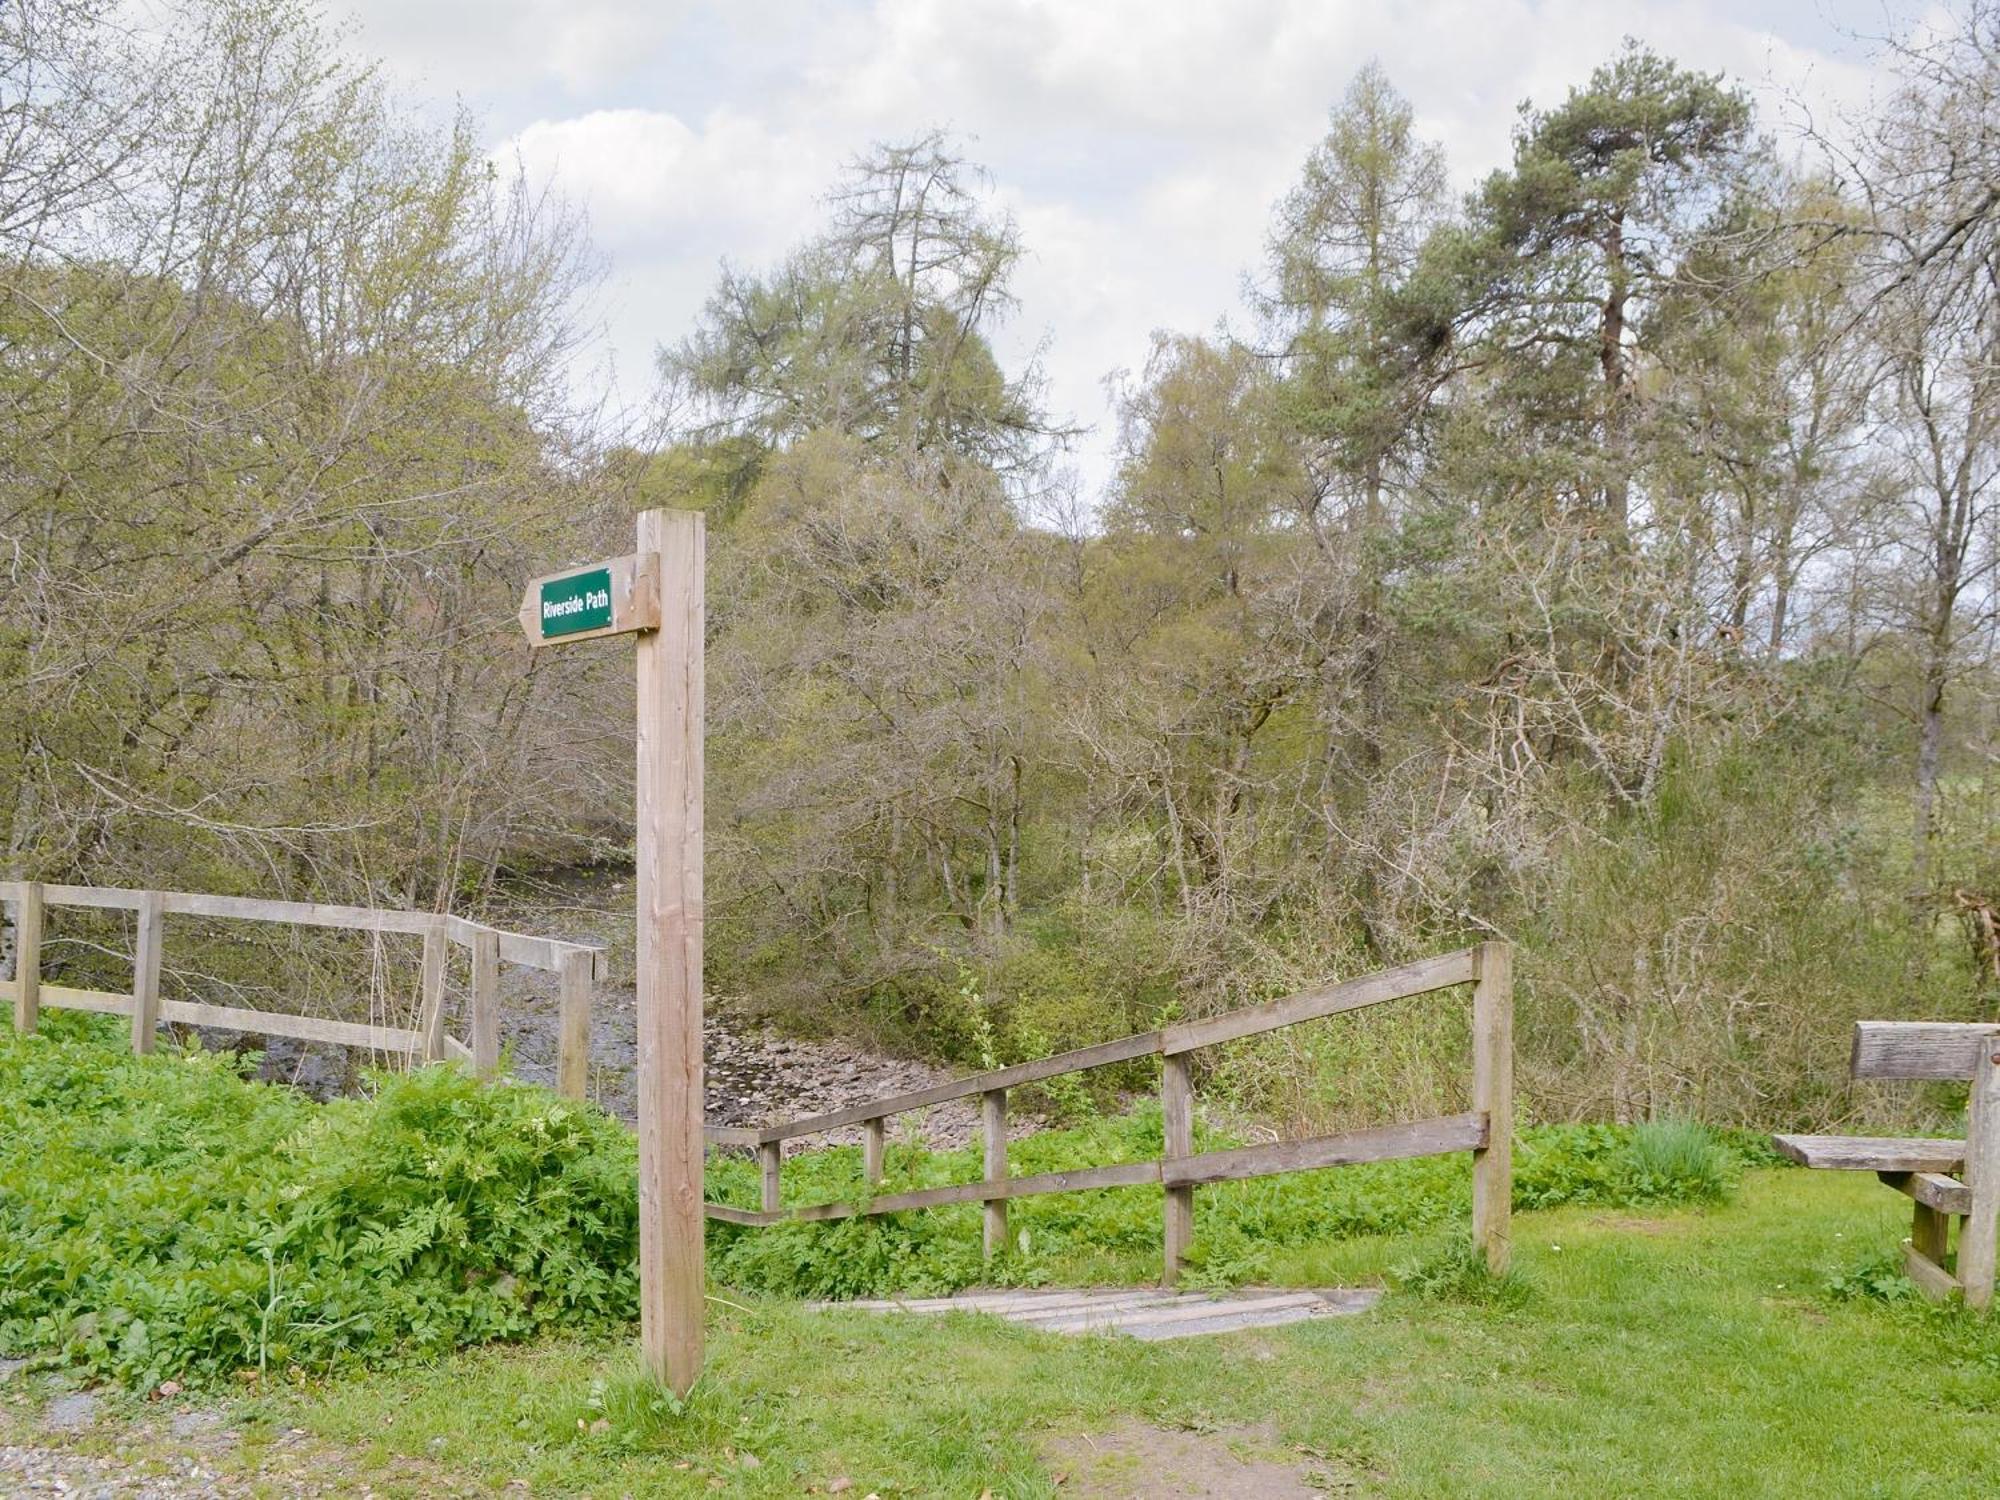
(1920, 1049)
(1437, 1137)
(577, 963)
(1486, 1130)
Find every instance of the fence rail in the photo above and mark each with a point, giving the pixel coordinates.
(1486, 1130)
(578, 966)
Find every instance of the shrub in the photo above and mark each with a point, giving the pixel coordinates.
(166, 1217)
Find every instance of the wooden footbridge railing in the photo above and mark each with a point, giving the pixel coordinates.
(576, 964)
(1486, 1130)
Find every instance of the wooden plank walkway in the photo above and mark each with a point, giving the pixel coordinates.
(1142, 1312)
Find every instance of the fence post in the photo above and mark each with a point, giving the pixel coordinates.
(1177, 1132)
(872, 1143)
(28, 957)
(485, 1002)
(1976, 1238)
(993, 1124)
(146, 973)
(771, 1157)
(1493, 1096)
(430, 1024)
(573, 1050)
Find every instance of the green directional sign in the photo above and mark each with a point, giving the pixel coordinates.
(576, 602)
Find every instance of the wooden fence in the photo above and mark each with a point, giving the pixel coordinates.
(1486, 1130)
(576, 964)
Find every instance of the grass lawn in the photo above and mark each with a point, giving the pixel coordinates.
(1692, 1353)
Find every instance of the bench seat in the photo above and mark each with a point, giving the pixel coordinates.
(1866, 1153)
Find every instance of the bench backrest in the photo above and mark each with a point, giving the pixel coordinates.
(1920, 1049)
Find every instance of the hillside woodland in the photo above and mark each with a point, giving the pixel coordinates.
(1603, 559)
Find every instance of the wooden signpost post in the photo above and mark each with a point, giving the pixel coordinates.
(656, 594)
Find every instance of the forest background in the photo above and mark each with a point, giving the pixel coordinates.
(1603, 560)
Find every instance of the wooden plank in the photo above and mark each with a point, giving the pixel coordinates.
(1466, 1132)
(730, 1215)
(573, 1046)
(1872, 1153)
(1177, 1133)
(1418, 978)
(146, 973)
(1934, 1190)
(770, 1163)
(1123, 1174)
(27, 956)
(1188, 1310)
(103, 1002)
(1493, 1098)
(671, 696)
(1977, 1236)
(993, 1133)
(305, 1028)
(732, 1135)
(103, 897)
(1930, 1233)
(430, 986)
(635, 600)
(485, 1003)
(294, 913)
(456, 1050)
(1919, 1049)
(546, 954)
(1125, 1048)
(874, 1147)
(1932, 1279)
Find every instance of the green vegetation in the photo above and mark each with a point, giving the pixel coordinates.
(1601, 559)
(1697, 1350)
(165, 1217)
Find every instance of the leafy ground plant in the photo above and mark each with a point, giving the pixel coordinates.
(165, 1217)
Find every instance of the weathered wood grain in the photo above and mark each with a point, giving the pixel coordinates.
(1436, 1137)
(1177, 1144)
(1124, 1049)
(670, 671)
(993, 1133)
(573, 1045)
(770, 1162)
(101, 1002)
(146, 973)
(1121, 1174)
(1933, 1189)
(1418, 978)
(1977, 1236)
(294, 913)
(306, 1028)
(27, 956)
(1493, 1097)
(1932, 1279)
(874, 1145)
(430, 1015)
(1872, 1153)
(485, 1003)
(1919, 1049)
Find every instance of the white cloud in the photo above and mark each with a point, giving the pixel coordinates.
(1140, 143)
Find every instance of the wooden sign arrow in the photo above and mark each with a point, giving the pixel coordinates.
(614, 597)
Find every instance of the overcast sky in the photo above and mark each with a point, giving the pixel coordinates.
(1140, 144)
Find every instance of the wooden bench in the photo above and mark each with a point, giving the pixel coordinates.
(1947, 1179)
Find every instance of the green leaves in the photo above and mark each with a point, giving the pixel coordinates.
(164, 1217)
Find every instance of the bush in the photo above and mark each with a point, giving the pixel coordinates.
(166, 1217)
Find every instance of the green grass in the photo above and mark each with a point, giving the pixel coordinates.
(1696, 1353)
